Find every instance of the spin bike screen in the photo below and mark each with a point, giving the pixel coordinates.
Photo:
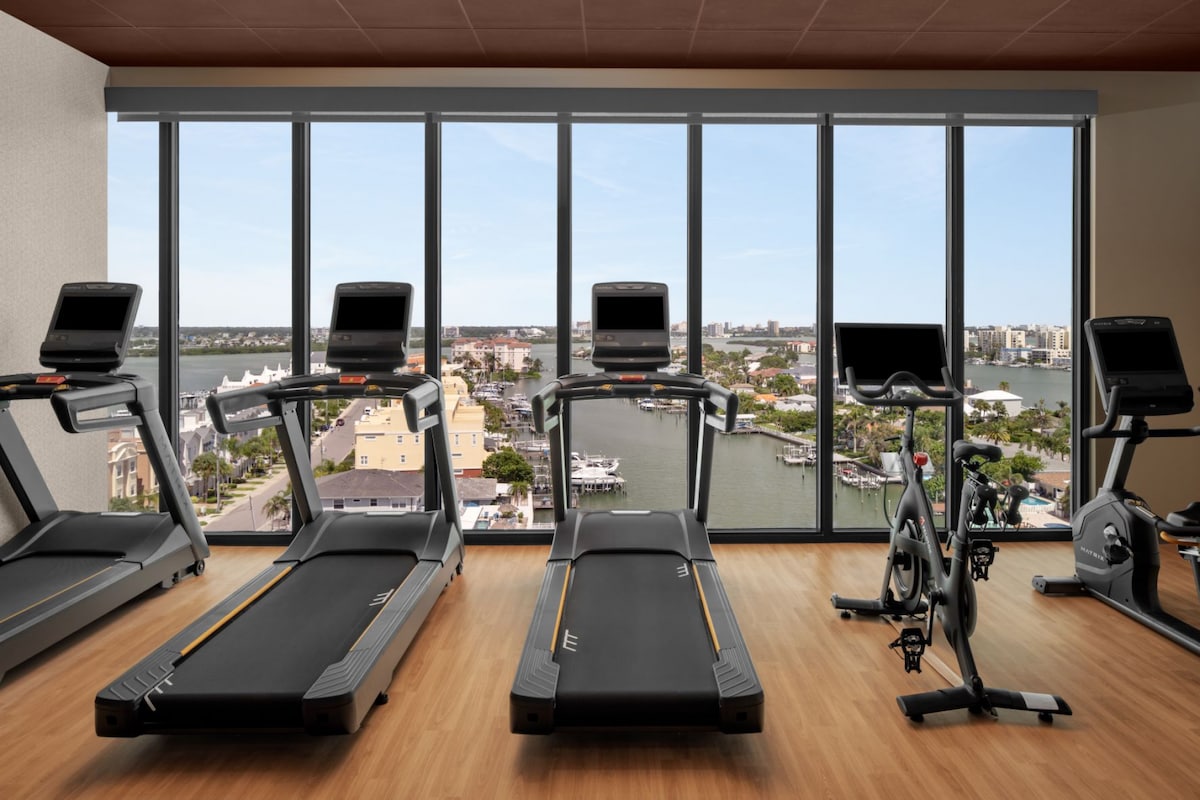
(876, 352)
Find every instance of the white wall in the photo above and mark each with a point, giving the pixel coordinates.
(53, 229)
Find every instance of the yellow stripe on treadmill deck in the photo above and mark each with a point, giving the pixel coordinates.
(56, 594)
(199, 640)
(562, 603)
(704, 605)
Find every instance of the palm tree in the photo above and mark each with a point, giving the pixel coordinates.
(210, 465)
(233, 449)
(519, 489)
(1004, 386)
(279, 508)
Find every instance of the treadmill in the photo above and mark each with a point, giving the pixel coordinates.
(632, 628)
(66, 569)
(311, 643)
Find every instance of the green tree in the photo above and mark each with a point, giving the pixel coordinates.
(1026, 465)
(772, 361)
(278, 508)
(508, 466)
(784, 385)
(123, 504)
(493, 417)
(210, 465)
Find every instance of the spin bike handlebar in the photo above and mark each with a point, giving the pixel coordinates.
(1108, 428)
(883, 396)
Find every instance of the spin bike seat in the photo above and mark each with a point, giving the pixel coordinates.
(964, 450)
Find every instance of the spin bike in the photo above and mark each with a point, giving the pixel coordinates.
(919, 578)
(1117, 536)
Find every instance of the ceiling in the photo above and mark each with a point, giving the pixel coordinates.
(807, 34)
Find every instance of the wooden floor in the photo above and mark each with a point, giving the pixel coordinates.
(832, 726)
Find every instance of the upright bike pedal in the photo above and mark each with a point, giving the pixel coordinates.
(912, 646)
(983, 554)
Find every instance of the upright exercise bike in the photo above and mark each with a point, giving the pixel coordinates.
(1116, 534)
(919, 579)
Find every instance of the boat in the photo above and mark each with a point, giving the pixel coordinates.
(802, 454)
(585, 461)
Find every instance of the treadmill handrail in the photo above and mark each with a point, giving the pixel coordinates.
(548, 403)
(74, 392)
(69, 404)
(421, 396)
(318, 387)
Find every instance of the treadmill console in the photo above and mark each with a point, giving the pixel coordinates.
(878, 351)
(1139, 355)
(91, 326)
(630, 328)
(369, 329)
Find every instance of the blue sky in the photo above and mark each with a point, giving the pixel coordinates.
(629, 198)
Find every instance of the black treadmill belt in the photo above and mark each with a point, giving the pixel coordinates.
(33, 582)
(255, 670)
(633, 646)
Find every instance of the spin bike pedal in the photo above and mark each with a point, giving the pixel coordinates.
(983, 555)
(912, 646)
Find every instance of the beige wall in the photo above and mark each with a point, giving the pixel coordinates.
(53, 229)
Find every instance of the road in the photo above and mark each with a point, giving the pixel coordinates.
(246, 512)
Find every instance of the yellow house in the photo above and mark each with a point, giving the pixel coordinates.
(382, 439)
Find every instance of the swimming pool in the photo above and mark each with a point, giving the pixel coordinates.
(1035, 501)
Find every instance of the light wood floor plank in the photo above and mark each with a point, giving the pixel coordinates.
(832, 725)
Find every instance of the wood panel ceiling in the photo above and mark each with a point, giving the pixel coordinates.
(805, 34)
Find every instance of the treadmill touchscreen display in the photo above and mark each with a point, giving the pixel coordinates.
(371, 313)
(92, 313)
(630, 313)
(1125, 351)
(876, 352)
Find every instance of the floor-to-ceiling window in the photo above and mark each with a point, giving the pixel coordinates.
(1017, 308)
(629, 223)
(235, 247)
(889, 214)
(627, 206)
(367, 223)
(133, 258)
(759, 308)
(498, 337)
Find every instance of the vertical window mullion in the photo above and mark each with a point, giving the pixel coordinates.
(824, 327)
(168, 280)
(695, 259)
(955, 293)
(301, 272)
(433, 282)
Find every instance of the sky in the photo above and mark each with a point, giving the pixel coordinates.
(629, 223)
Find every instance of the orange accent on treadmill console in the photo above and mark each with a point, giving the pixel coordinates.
(50, 378)
(632, 378)
(352, 379)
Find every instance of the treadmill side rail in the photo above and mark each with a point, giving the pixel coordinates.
(339, 699)
(737, 682)
(531, 706)
(118, 706)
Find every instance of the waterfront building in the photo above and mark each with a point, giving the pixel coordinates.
(249, 378)
(382, 439)
(372, 488)
(122, 466)
(507, 353)
(802, 346)
(1011, 402)
(999, 337)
